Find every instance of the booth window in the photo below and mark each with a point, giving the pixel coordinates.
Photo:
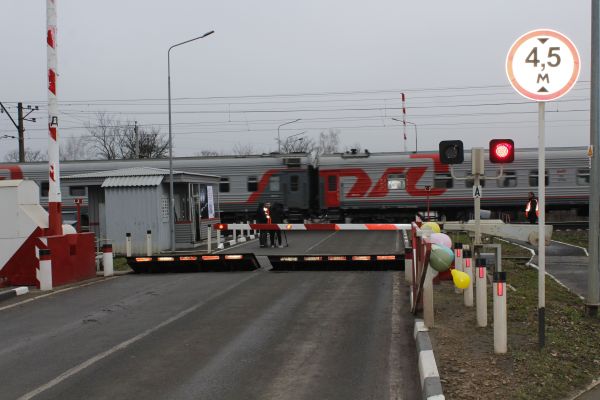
(224, 185)
(252, 184)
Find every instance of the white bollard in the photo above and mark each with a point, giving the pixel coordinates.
(408, 252)
(468, 269)
(428, 318)
(218, 238)
(481, 298)
(235, 236)
(107, 259)
(500, 337)
(128, 244)
(44, 273)
(148, 243)
(209, 238)
(458, 261)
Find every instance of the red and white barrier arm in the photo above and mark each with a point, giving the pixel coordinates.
(314, 227)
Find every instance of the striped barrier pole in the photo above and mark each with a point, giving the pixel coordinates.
(54, 194)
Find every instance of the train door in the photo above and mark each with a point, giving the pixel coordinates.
(294, 191)
(332, 192)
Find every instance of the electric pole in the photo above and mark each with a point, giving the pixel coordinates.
(20, 125)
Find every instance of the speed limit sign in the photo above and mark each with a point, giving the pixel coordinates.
(543, 65)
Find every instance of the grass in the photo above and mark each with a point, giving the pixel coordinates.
(578, 238)
(569, 361)
(120, 264)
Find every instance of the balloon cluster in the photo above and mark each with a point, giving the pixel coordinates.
(442, 256)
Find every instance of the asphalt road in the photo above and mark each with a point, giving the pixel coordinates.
(244, 335)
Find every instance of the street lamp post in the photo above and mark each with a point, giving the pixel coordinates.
(416, 133)
(279, 136)
(171, 194)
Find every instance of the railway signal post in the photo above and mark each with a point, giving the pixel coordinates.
(542, 65)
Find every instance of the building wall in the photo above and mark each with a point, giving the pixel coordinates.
(135, 210)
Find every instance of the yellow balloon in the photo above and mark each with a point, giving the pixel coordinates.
(432, 226)
(461, 280)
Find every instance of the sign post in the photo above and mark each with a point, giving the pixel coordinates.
(542, 65)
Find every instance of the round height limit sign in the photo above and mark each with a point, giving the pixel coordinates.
(543, 65)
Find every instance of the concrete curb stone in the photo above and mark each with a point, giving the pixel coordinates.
(431, 385)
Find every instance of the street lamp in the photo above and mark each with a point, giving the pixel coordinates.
(171, 194)
(278, 135)
(416, 133)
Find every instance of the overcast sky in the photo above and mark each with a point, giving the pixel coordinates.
(335, 64)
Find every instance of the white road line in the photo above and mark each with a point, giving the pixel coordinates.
(394, 353)
(56, 292)
(320, 241)
(78, 368)
(572, 245)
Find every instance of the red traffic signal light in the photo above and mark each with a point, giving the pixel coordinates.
(502, 151)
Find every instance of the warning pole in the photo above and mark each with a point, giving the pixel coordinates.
(54, 195)
(404, 119)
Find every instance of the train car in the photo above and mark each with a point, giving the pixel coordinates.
(394, 186)
(245, 181)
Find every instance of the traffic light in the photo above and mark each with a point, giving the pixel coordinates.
(451, 152)
(502, 151)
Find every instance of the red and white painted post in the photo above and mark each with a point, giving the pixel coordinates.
(468, 269)
(458, 261)
(54, 194)
(500, 336)
(44, 273)
(107, 259)
(481, 298)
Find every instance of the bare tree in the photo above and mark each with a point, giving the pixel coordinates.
(328, 142)
(74, 148)
(112, 139)
(207, 153)
(300, 144)
(355, 148)
(246, 149)
(30, 156)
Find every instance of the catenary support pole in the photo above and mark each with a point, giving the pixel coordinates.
(592, 300)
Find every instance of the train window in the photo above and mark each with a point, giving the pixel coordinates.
(332, 183)
(274, 184)
(509, 179)
(470, 182)
(224, 185)
(44, 189)
(583, 177)
(77, 191)
(443, 180)
(294, 183)
(533, 178)
(396, 182)
(252, 184)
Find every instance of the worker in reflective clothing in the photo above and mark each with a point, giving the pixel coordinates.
(263, 217)
(532, 211)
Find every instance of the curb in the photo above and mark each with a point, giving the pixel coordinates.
(431, 385)
(14, 292)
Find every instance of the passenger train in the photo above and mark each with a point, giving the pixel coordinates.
(360, 186)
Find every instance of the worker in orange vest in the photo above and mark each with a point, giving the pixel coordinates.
(532, 211)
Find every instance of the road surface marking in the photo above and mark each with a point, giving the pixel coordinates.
(123, 345)
(319, 242)
(394, 354)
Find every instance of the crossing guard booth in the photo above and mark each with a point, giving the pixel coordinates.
(136, 200)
